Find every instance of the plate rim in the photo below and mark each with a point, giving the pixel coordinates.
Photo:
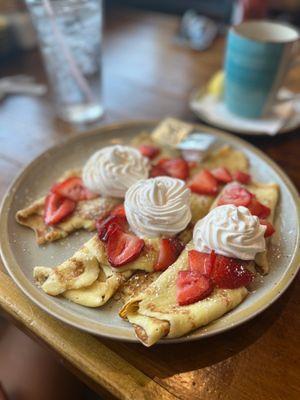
(279, 288)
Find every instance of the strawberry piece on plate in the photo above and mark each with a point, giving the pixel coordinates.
(123, 247)
(73, 189)
(157, 170)
(241, 177)
(175, 167)
(222, 174)
(192, 286)
(235, 194)
(231, 273)
(201, 262)
(119, 210)
(107, 225)
(258, 209)
(168, 253)
(270, 228)
(204, 183)
(57, 208)
(149, 151)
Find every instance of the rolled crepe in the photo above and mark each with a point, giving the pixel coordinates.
(88, 279)
(155, 313)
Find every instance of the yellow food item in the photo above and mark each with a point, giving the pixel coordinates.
(215, 85)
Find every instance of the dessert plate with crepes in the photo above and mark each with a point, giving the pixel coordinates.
(168, 232)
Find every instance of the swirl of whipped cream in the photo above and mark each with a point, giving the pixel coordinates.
(158, 207)
(113, 169)
(230, 231)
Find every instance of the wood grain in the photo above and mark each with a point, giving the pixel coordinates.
(147, 76)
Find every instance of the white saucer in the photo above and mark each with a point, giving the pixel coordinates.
(214, 112)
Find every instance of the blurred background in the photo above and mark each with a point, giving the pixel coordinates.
(78, 82)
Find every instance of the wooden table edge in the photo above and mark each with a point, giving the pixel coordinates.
(85, 355)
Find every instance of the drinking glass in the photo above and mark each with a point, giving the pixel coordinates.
(70, 35)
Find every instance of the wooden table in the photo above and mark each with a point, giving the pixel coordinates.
(147, 76)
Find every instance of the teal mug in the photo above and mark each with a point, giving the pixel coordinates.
(258, 57)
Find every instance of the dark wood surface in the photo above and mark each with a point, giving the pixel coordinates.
(147, 76)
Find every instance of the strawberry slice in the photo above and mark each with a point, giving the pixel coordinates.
(175, 167)
(258, 209)
(157, 170)
(168, 253)
(201, 262)
(192, 286)
(119, 210)
(222, 174)
(122, 247)
(107, 225)
(231, 273)
(57, 208)
(149, 151)
(241, 177)
(204, 183)
(235, 194)
(270, 228)
(73, 189)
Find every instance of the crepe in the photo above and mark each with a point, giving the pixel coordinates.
(88, 279)
(267, 194)
(84, 216)
(155, 313)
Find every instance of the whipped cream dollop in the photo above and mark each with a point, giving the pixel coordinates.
(158, 207)
(113, 169)
(230, 231)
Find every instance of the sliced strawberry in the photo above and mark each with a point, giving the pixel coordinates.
(192, 286)
(57, 208)
(231, 273)
(175, 167)
(270, 228)
(168, 253)
(73, 189)
(157, 170)
(258, 209)
(122, 247)
(222, 174)
(161, 161)
(204, 183)
(149, 151)
(119, 210)
(106, 226)
(241, 177)
(200, 262)
(235, 194)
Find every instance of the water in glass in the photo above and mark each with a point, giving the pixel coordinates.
(70, 35)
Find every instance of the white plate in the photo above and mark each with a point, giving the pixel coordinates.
(214, 112)
(20, 252)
